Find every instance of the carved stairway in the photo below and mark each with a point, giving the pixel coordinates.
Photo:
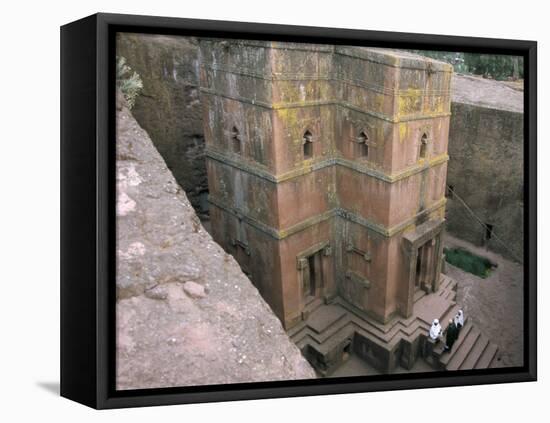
(332, 331)
(472, 350)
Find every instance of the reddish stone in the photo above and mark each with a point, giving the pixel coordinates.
(336, 186)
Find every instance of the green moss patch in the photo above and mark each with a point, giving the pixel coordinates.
(469, 262)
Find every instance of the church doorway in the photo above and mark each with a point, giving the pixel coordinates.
(312, 276)
(425, 266)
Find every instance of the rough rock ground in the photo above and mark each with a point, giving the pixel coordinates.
(475, 90)
(494, 304)
(186, 314)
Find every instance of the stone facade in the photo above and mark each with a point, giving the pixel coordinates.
(326, 171)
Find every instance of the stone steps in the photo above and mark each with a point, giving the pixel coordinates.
(472, 350)
(312, 306)
(335, 339)
(446, 283)
(448, 294)
(447, 288)
(487, 357)
(320, 339)
(328, 325)
(394, 331)
(294, 330)
(399, 329)
(323, 320)
(354, 321)
(464, 350)
(475, 354)
(451, 295)
(310, 309)
(445, 357)
(419, 294)
(320, 336)
(385, 335)
(378, 329)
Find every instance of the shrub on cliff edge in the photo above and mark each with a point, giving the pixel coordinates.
(128, 81)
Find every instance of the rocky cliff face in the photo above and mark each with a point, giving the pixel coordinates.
(186, 314)
(168, 107)
(486, 151)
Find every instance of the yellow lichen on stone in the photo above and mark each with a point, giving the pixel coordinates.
(410, 102)
(403, 132)
(289, 119)
(289, 92)
(379, 102)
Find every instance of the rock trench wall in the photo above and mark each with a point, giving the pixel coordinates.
(186, 314)
(169, 108)
(486, 165)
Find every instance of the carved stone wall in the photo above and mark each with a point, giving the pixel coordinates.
(320, 145)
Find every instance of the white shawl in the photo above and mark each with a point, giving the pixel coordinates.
(459, 318)
(435, 330)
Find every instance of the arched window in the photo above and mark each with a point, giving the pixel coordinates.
(235, 140)
(308, 145)
(363, 147)
(423, 146)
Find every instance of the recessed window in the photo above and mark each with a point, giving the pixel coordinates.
(235, 140)
(488, 232)
(308, 145)
(423, 146)
(362, 145)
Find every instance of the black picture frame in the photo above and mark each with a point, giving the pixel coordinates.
(88, 210)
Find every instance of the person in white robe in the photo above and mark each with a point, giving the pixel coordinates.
(435, 330)
(459, 319)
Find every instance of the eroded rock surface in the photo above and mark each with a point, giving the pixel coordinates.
(487, 93)
(486, 150)
(169, 108)
(186, 314)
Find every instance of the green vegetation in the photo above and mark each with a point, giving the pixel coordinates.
(471, 263)
(494, 66)
(128, 81)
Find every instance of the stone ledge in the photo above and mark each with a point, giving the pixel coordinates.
(264, 172)
(321, 217)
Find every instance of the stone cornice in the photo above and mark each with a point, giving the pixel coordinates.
(264, 173)
(329, 102)
(280, 234)
(289, 76)
(385, 57)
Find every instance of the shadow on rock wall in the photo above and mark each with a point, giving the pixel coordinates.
(169, 107)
